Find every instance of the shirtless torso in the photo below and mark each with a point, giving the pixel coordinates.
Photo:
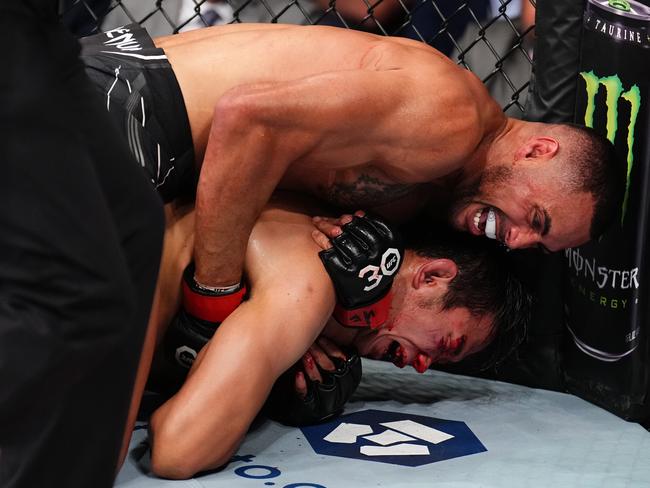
(427, 140)
(356, 119)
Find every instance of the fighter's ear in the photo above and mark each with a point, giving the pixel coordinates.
(434, 272)
(538, 147)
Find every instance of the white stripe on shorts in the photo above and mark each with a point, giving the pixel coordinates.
(139, 56)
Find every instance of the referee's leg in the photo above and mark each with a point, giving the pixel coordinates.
(79, 253)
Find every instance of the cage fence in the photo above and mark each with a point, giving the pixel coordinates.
(493, 39)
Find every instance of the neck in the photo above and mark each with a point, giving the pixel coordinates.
(506, 141)
(493, 149)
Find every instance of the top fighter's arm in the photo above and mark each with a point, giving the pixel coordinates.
(201, 426)
(339, 119)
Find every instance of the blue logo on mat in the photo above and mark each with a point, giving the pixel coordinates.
(394, 438)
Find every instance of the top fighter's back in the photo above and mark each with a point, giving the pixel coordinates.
(210, 62)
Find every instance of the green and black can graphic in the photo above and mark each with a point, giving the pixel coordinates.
(607, 302)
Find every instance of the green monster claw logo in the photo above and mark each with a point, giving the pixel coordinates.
(614, 92)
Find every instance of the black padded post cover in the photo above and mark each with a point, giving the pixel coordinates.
(537, 362)
(555, 62)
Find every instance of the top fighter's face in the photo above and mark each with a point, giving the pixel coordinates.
(419, 332)
(526, 209)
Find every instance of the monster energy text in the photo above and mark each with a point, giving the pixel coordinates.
(602, 276)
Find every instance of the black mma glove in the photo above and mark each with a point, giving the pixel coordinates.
(362, 264)
(323, 401)
(183, 341)
(195, 324)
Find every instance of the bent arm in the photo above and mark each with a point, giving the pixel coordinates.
(334, 119)
(201, 426)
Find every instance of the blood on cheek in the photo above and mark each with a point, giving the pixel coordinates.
(458, 345)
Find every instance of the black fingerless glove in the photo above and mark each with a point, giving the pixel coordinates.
(362, 264)
(183, 340)
(323, 401)
(194, 325)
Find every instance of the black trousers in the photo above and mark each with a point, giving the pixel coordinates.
(80, 243)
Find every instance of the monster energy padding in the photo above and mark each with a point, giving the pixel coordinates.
(537, 362)
(607, 298)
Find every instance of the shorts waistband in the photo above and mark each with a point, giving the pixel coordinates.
(129, 41)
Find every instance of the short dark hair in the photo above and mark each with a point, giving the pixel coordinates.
(598, 171)
(485, 284)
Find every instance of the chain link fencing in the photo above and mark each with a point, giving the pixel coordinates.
(493, 39)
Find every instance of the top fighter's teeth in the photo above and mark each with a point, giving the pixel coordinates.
(477, 218)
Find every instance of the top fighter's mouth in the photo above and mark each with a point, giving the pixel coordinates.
(485, 221)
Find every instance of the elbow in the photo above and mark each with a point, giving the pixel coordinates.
(169, 465)
(237, 109)
(167, 459)
(178, 455)
(239, 121)
(166, 468)
(267, 138)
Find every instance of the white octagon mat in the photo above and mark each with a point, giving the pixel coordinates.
(530, 438)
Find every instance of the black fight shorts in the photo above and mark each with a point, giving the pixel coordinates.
(142, 95)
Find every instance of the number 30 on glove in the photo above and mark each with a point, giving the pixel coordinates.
(362, 264)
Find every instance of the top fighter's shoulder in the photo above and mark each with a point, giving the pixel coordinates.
(390, 53)
(426, 69)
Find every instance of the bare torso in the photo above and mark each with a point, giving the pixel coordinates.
(447, 116)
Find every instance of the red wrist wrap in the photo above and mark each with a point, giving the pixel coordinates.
(211, 308)
(373, 315)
